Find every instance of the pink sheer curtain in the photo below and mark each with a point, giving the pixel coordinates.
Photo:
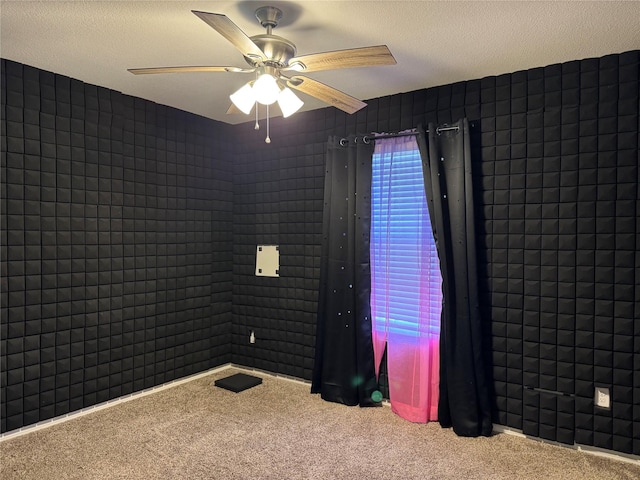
(406, 290)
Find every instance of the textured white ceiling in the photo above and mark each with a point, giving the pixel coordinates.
(434, 43)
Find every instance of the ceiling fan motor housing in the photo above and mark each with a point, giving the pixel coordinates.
(278, 50)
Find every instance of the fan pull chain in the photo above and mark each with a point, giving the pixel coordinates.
(267, 140)
(257, 125)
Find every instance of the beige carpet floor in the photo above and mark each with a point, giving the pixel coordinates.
(278, 430)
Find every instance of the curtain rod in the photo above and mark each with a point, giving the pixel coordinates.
(366, 138)
(411, 132)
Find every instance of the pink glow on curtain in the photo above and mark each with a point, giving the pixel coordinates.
(406, 293)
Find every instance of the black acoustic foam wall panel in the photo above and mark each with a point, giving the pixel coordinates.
(116, 245)
(556, 183)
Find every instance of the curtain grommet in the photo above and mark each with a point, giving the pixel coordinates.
(344, 142)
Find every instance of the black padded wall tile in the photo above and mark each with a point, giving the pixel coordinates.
(4, 304)
(556, 179)
(116, 245)
(606, 266)
(278, 200)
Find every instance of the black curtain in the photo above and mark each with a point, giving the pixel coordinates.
(344, 367)
(464, 385)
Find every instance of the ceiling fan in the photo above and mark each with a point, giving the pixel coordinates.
(276, 67)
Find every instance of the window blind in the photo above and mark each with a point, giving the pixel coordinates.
(406, 279)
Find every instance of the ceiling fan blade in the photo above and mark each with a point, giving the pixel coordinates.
(144, 71)
(327, 94)
(349, 58)
(232, 33)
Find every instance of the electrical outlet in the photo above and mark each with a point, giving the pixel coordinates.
(602, 398)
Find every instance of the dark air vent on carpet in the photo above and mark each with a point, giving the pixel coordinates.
(238, 382)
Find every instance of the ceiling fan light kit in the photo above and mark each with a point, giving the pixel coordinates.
(270, 57)
(266, 88)
(288, 102)
(244, 98)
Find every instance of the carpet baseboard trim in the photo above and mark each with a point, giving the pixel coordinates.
(497, 428)
(109, 403)
(142, 393)
(271, 374)
(599, 452)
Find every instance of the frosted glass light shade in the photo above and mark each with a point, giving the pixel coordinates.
(266, 89)
(289, 103)
(244, 98)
